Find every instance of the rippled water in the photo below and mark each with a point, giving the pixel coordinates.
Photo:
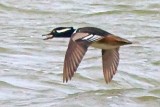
(31, 69)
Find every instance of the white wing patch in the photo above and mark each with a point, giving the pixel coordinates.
(63, 30)
(91, 38)
(88, 37)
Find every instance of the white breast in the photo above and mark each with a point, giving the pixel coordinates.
(103, 46)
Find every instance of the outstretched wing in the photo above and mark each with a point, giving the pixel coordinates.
(74, 54)
(110, 60)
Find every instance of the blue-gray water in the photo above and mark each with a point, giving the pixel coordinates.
(31, 69)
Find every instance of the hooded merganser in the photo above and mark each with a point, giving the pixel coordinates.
(80, 40)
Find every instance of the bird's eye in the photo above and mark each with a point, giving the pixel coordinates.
(53, 31)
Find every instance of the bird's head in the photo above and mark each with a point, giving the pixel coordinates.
(59, 32)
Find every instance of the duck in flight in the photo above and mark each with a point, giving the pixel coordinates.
(80, 40)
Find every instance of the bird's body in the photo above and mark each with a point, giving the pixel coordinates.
(80, 40)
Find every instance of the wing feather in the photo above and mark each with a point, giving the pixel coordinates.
(74, 54)
(110, 60)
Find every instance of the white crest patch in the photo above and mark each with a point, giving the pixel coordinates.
(91, 38)
(63, 30)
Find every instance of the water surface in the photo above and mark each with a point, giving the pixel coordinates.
(31, 69)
